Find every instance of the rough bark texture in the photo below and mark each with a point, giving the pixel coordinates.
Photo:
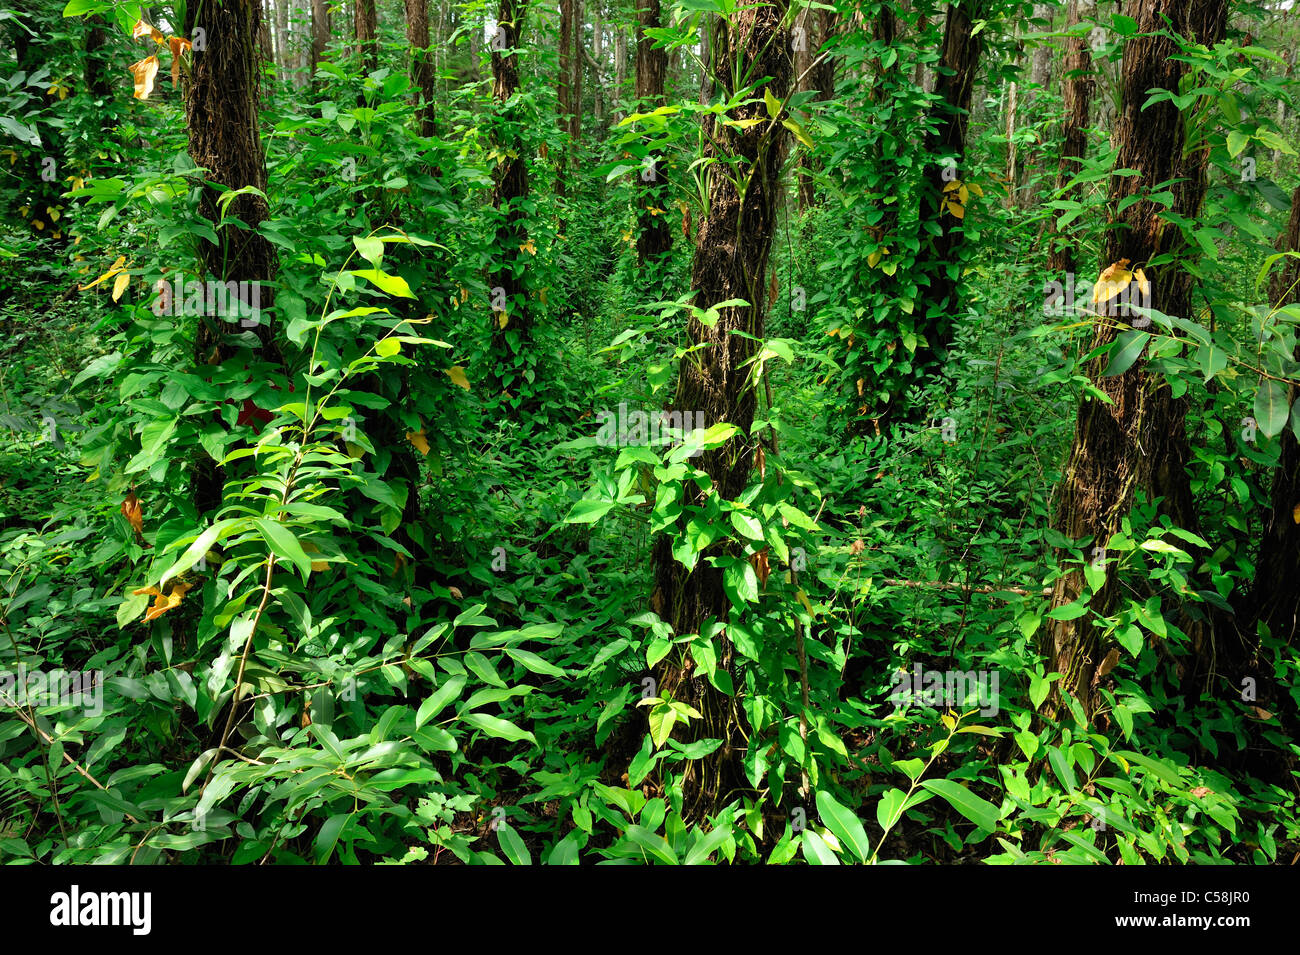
(733, 243)
(510, 185)
(1276, 596)
(818, 76)
(320, 31)
(959, 62)
(655, 234)
(1077, 93)
(222, 123)
(1140, 439)
(417, 37)
(365, 27)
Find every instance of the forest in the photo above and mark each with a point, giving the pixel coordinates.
(673, 432)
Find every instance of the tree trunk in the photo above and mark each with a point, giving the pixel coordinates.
(947, 148)
(655, 234)
(620, 70)
(1140, 439)
(320, 31)
(731, 258)
(422, 78)
(365, 27)
(1078, 86)
(221, 112)
(511, 317)
(282, 58)
(810, 33)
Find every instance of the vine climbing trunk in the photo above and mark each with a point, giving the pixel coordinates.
(946, 147)
(511, 316)
(1138, 439)
(732, 246)
(654, 233)
(221, 121)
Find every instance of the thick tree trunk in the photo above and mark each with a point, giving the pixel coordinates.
(1139, 440)
(947, 148)
(1276, 597)
(1078, 86)
(810, 33)
(320, 31)
(731, 258)
(511, 317)
(655, 234)
(365, 27)
(222, 123)
(422, 78)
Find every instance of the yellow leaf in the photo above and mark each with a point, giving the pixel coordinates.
(803, 599)
(120, 283)
(530, 247)
(457, 375)
(116, 267)
(1143, 284)
(502, 319)
(1295, 515)
(1113, 280)
(418, 439)
(977, 190)
(354, 450)
(144, 73)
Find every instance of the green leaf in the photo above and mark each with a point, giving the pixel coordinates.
(890, 807)
(202, 544)
(432, 706)
(1271, 407)
(846, 826)
(816, 851)
(388, 347)
(371, 249)
(531, 661)
(495, 726)
(283, 544)
(588, 512)
(392, 284)
(1128, 347)
(979, 811)
(512, 846)
(652, 843)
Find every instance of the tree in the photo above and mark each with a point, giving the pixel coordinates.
(221, 111)
(732, 246)
(417, 37)
(1138, 439)
(320, 31)
(654, 234)
(946, 145)
(1077, 88)
(511, 316)
(365, 27)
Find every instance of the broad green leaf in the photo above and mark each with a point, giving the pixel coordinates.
(979, 811)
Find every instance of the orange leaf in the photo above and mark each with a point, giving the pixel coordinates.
(133, 512)
(418, 439)
(144, 73)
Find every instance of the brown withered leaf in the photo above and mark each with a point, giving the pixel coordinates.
(133, 512)
(761, 567)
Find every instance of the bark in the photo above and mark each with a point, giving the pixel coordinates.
(1140, 439)
(1276, 597)
(221, 113)
(564, 86)
(731, 258)
(655, 234)
(422, 77)
(282, 58)
(365, 27)
(813, 75)
(96, 76)
(1078, 87)
(620, 70)
(959, 62)
(512, 326)
(320, 31)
